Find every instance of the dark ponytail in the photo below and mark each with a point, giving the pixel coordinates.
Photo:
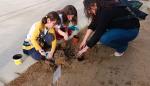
(52, 16)
(44, 20)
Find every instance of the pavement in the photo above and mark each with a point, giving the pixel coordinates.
(16, 19)
(1, 84)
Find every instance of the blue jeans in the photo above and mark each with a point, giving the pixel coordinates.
(34, 53)
(118, 39)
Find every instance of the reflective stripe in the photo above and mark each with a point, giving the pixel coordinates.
(27, 47)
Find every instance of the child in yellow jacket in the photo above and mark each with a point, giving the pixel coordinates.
(41, 39)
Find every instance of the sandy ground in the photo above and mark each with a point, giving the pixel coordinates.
(100, 67)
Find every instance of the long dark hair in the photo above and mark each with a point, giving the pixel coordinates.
(70, 10)
(52, 16)
(100, 4)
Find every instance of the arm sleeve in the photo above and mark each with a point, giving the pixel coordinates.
(92, 25)
(54, 42)
(34, 37)
(103, 18)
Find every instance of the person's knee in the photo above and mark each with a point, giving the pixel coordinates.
(25, 51)
(36, 55)
(105, 40)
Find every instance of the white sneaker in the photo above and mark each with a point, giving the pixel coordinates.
(117, 54)
(99, 43)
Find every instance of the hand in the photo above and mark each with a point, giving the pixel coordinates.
(82, 45)
(49, 56)
(42, 52)
(66, 37)
(83, 50)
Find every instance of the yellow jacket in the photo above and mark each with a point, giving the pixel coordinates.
(34, 42)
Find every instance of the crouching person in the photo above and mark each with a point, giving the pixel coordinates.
(40, 43)
(68, 26)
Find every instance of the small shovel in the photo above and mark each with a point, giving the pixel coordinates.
(56, 76)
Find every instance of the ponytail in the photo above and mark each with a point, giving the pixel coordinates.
(52, 16)
(44, 20)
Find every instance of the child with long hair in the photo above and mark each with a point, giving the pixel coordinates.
(67, 27)
(40, 43)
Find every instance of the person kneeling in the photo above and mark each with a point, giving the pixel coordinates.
(41, 42)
